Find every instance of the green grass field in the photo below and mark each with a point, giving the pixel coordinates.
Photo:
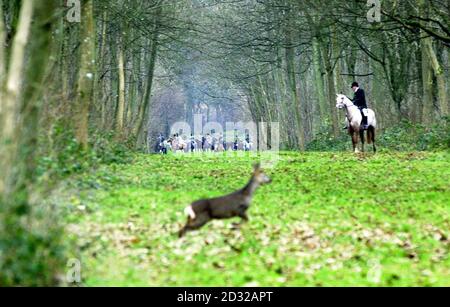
(327, 219)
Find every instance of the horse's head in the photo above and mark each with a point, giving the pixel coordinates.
(341, 101)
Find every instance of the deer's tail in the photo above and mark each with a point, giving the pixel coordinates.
(190, 212)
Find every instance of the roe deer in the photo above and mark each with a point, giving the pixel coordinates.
(233, 205)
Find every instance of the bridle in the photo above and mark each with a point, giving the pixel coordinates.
(347, 106)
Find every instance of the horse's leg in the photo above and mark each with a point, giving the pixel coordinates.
(354, 141)
(361, 134)
(372, 132)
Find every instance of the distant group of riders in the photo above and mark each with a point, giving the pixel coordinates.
(211, 142)
(358, 120)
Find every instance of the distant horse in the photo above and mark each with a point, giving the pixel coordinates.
(166, 146)
(248, 145)
(219, 145)
(354, 118)
(174, 143)
(182, 145)
(240, 146)
(159, 146)
(192, 145)
(198, 142)
(207, 144)
(229, 146)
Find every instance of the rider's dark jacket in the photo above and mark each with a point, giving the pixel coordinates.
(360, 99)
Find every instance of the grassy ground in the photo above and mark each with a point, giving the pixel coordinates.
(327, 219)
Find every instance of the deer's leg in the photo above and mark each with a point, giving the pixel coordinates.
(193, 224)
(183, 230)
(243, 215)
(244, 219)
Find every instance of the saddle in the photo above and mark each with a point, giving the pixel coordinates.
(365, 114)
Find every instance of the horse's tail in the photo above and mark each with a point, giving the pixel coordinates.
(371, 135)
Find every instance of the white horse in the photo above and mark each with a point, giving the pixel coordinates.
(182, 145)
(248, 145)
(354, 119)
(208, 143)
(198, 143)
(167, 146)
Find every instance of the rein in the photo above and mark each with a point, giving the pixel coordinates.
(350, 105)
(347, 106)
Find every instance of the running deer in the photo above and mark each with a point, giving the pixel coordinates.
(233, 205)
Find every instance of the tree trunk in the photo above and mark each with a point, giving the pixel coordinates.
(99, 87)
(85, 75)
(331, 101)
(430, 65)
(439, 73)
(329, 69)
(11, 100)
(318, 80)
(296, 102)
(24, 234)
(37, 65)
(113, 85)
(427, 86)
(143, 108)
(2, 55)
(121, 96)
(134, 90)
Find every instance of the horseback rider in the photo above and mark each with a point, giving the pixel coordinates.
(203, 142)
(359, 100)
(192, 143)
(247, 144)
(159, 144)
